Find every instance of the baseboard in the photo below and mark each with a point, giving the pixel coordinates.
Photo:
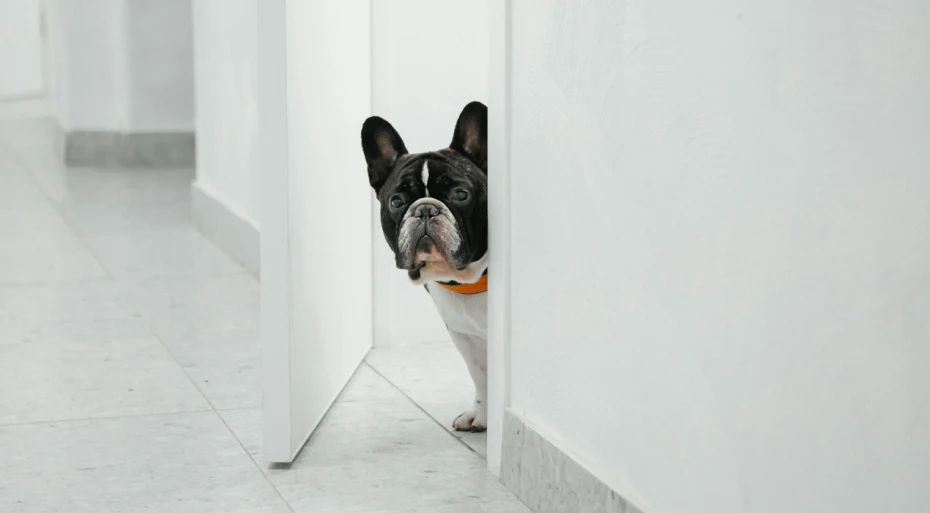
(170, 149)
(548, 480)
(231, 232)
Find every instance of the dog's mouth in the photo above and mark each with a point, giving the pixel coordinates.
(425, 248)
(426, 254)
(414, 272)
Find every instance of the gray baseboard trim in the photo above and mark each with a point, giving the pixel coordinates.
(548, 480)
(170, 149)
(231, 232)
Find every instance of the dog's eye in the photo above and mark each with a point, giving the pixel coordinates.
(460, 195)
(397, 202)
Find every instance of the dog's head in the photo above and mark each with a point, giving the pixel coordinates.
(434, 205)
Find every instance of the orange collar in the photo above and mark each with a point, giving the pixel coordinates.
(468, 288)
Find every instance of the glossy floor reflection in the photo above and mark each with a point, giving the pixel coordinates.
(130, 368)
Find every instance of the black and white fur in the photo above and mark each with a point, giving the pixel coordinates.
(434, 214)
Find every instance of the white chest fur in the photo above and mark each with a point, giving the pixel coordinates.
(466, 317)
(462, 313)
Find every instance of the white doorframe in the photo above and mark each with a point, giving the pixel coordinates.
(286, 427)
(313, 88)
(275, 253)
(499, 228)
(382, 306)
(22, 50)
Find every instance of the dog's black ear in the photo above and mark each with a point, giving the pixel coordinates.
(471, 134)
(382, 146)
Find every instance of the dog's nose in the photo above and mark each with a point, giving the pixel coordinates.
(426, 211)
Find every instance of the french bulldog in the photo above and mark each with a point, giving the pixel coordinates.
(434, 214)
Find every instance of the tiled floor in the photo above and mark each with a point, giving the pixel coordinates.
(129, 368)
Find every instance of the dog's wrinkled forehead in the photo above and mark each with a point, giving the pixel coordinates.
(433, 174)
(389, 161)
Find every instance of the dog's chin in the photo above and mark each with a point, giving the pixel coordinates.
(431, 265)
(415, 274)
(434, 267)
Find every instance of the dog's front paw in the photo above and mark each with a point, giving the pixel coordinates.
(474, 419)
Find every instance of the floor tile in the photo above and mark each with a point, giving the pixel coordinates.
(226, 369)
(101, 203)
(37, 246)
(25, 132)
(183, 463)
(168, 251)
(102, 220)
(38, 221)
(183, 308)
(373, 430)
(38, 261)
(18, 189)
(377, 455)
(122, 189)
(47, 171)
(434, 376)
(367, 385)
(211, 325)
(246, 426)
(364, 386)
(513, 506)
(383, 455)
(18, 109)
(136, 311)
(82, 311)
(60, 379)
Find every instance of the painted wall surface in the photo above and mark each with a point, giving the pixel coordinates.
(721, 253)
(160, 66)
(122, 65)
(226, 110)
(21, 50)
(88, 44)
(429, 59)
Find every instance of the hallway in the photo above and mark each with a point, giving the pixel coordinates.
(130, 367)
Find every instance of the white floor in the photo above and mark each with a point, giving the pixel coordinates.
(129, 368)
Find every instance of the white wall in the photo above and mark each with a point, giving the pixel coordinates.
(160, 67)
(88, 45)
(329, 240)
(429, 59)
(122, 65)
(226, 112)
(721, 253)
(21, 50)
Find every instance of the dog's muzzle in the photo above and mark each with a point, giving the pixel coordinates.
(429, 233)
